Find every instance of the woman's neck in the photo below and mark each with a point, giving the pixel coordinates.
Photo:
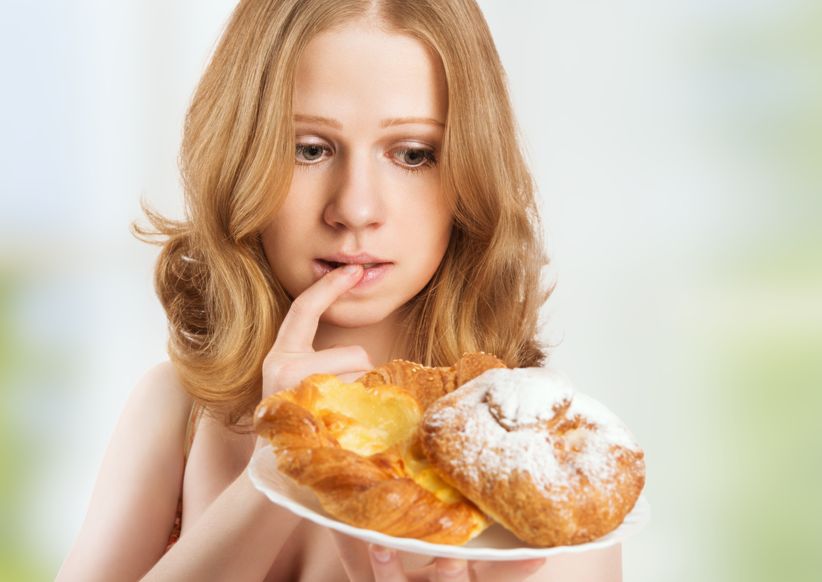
(380, 340)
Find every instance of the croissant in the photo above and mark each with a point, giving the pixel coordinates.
(357, 447)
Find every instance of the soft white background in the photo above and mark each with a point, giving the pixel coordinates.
(635, 118)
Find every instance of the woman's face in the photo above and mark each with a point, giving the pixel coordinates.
(369, 109)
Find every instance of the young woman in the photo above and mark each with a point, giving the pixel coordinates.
(355, 193)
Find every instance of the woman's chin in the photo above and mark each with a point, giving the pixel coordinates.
(353, 316)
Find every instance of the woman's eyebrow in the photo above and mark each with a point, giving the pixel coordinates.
(384, 123)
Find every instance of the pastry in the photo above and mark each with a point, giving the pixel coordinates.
(553, 466)
(357, 447)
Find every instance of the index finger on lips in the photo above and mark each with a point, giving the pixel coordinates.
(300, 324)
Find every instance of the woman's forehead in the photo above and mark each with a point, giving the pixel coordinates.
(361, 70)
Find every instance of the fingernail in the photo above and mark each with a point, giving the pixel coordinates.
(451, 567)
(381, 555)
(351, 269)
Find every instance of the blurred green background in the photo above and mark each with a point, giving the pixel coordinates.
(678, 149)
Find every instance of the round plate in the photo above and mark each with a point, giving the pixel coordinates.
(495, 543)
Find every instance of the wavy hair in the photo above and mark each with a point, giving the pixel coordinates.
(224, 305)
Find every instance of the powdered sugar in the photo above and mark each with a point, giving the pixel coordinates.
(524, 396)
(610, 428)
(517, 420)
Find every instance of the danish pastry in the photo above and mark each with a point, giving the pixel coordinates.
(357, 447)
(553, 466)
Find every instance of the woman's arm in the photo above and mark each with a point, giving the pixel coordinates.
(237, 538)
(134, 501)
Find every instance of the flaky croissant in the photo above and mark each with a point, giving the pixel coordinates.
(357, 447)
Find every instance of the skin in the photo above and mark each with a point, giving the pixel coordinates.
(357, 198)
(362, 186)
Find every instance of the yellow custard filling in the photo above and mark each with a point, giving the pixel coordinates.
(368, 421)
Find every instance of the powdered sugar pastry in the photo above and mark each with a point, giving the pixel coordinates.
(532, 420)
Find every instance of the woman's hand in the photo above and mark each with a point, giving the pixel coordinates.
(365, 562)
(292, 357)
(387, 568)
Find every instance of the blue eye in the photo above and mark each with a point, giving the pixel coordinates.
(311, 152)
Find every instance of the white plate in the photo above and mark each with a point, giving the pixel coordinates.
(495, 543)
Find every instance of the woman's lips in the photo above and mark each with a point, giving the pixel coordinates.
(371, 277)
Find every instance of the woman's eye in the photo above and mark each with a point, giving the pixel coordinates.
(408, 158)
(307, 153)
(416, 157)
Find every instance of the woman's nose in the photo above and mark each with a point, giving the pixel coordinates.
(356, 201)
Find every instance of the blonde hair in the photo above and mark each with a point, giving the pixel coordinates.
(223, 304)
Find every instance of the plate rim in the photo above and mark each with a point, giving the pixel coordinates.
(637, 519)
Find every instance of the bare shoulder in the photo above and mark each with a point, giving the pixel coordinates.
(157, 410)
(162, 382)
(135, 496)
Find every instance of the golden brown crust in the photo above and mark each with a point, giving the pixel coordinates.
(429, 384)
(373, 492)
(577, 489)
(530, 478)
